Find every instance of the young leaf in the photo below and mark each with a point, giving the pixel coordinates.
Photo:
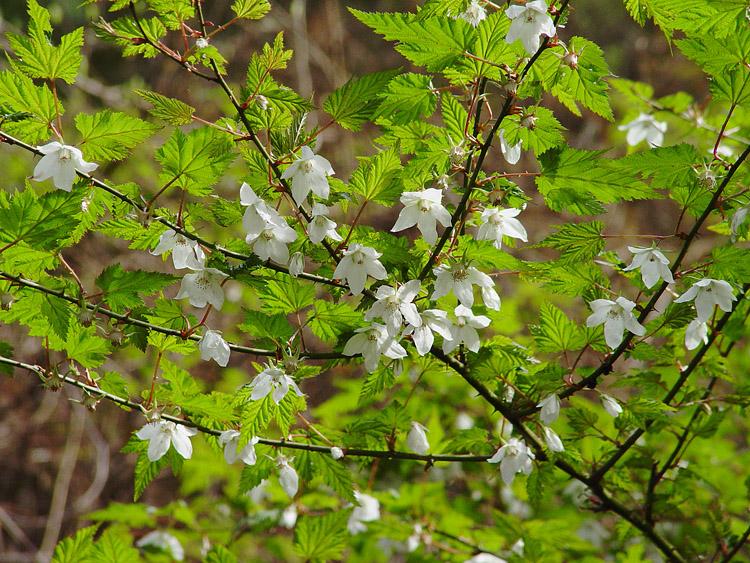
(251, 9)
(77, 547)
(36, 104)
(378, 178)
(124, 289)
(110, 135)
(576, 242)
(408, 97)
(538, 131)
(319, 538)
(556, 332)
(354, 103)
(167, 109)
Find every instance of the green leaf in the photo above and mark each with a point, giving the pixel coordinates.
(85, 347)
(125, 289)
(378, 178)
(454, 116)
(251, 9)
(115, 546)
(577, 242)
(330, 320)
(556, 332)
(127, 34)
(253, 475)
(434, 43)
(44, 222)
(491, 47)
(353, 104)
(76, 548)
(37, 57)
(220, 554)
(319, 538)
(110, 135)
(286, 295)
(19, 93)
(171, 110)
(732, 86)
(195, 161)
(375, 383)
(408, 97)
(579, 181)
(667, 167)
(275, 328)
(539, 131)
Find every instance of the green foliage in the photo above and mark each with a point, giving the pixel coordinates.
(556, 332)
(251, 9)
(76, 548)
(321, 538)
(537, 129)
(577, 242)
(354, 104)
(377, 178)
(407, 98)
(109, 135)
(124, 289)
(170, 110)
(35, 104)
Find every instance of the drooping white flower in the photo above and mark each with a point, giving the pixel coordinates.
(553, 441)
(550, 409)
(258, 212)
(514, 457)
(213, 347)
(273, 379)
(296, 264)
(61, 162)
(358, 263)
(395, 305)
(707, 293)
(511, 154)
(372, 342)
(230, 439)
(288, 478)
(203, 287)
(464, 421)
(288, 518)
(321, 226)
(269, 239)
(337, 453)
(474, 13)
(163, 433)
(367, 509)
(616, 316)
(415, 539)
(201, 43)
(529, 23)
(611, 405)
(485, 558)
(497, 223)
(738, 219)
(653, 264)
(645, 128)
(464, 330)
(460, 278)
(417, 439)
(696, 332)
(432, 320)
(423, 209)
(309, 173)
(162, 541)
(186, 253)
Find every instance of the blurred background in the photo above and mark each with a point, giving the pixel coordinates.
(59, 461)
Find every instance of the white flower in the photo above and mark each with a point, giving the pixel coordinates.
(296, 264)
(309, 173)
(616, 316)
(61, 162)
(288, 478)
(423, 209)
(203, 287)
(321, 226)
(554, 443)
(432, 320)
(611, 405)
(511, 154)
(372, 342)
(485, 558)
(269, 239)
(738, 219)
(550, 409)
(186, 253)
(464, 421)
(653, 264)
(359, 262)
(273, 379)
(258, 212)
(707, 293)
(645, 128)
(497, 223)
(289, 517)
(529, 22)
(514, 457)
(474, 13)
(395, 305)
(230, 439)
(213, 347)
(415, 539)
(417, 439)
(460, 279)
(163, 541)
(464, 331)
(337, 453)
(518, 547)
(163, 433)
(696, 332)
(366, 510)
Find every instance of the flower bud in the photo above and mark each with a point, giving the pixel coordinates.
(54, 381)
(116, 336)
(86, 317)
(529, 121)
(201, 43)
(457, 155)
(571, 59)
(417, 439)
(510, 87)
(297, 264)
(707, 178)
(6, 301)
(262, 101)
(90, 401)
(336, 452)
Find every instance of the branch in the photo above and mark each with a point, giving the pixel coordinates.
(126, 319)
(737, 546)
(284, 444)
